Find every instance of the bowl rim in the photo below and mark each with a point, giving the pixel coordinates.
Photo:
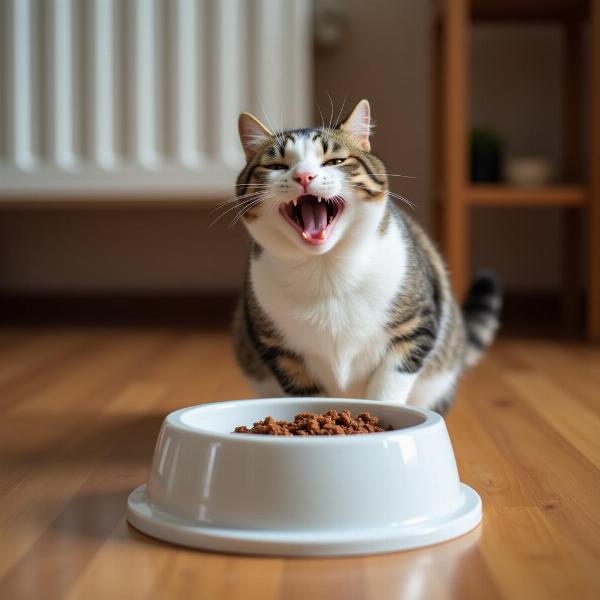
(174, 419)
(169, 527)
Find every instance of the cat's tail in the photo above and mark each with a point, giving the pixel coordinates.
(481, 312)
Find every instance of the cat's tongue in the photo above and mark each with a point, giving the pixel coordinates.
(314, 215)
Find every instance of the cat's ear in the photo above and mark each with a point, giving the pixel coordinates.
(252, 132)
(358, 124)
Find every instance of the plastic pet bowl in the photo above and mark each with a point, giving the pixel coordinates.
(303, 495)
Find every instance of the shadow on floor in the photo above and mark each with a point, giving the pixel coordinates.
(82, 439)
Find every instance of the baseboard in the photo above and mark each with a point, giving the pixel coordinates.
(118, 309)
(523, 312)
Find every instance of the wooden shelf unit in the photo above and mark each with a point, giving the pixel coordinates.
(458, 195)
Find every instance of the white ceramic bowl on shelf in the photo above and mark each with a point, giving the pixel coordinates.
(303, 496)
(528, 171)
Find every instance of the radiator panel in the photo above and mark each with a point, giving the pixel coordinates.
(139, 98)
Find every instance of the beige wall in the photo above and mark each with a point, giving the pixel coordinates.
(142, 249)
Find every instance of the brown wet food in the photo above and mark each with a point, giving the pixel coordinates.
(307, 423)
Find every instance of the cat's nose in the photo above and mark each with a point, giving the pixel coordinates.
(304, 178)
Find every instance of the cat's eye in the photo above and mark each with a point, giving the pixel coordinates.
(276, 167)
(333, 162)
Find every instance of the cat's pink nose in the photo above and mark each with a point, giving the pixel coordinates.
(304, 178)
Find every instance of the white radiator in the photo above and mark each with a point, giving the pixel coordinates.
(137, 98)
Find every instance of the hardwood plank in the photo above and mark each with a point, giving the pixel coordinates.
(329, 578)
(92, 368)
(207, 574)
(32, 356)
(128, 565)
(577, 424)
(255, 578)
(172, 372)
(214, 576)
(451, 570)
(83, 468)
(481, 464)
(80, 391)
(562, 482)
(571, 368)
(73, 458)
(514, 536)
(404, 576)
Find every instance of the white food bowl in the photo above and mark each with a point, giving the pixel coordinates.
(303, 495)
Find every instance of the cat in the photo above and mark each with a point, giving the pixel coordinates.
(345, 295)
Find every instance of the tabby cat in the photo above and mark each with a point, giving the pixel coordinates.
(345, 295)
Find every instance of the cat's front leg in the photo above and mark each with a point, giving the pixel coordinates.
(394, 378)
(389, 383)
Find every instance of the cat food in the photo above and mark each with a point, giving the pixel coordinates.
(307, 423)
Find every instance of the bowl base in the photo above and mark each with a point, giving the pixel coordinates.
(147, 519)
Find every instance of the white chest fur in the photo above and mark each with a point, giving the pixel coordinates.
(332, 309)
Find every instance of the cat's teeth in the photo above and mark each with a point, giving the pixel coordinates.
(319, 199)
(323, 234)
(295, 201)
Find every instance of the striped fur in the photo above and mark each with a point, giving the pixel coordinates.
(261, 350)
(367, 313)
(481, 312)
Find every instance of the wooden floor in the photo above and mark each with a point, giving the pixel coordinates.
(81, 409)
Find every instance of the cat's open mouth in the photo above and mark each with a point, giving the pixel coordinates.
(312, 217)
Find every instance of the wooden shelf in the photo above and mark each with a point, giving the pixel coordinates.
(507, 195)
(526, 10)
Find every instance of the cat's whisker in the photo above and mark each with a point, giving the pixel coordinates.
(244, 203)
(394, 175)
(337, 121)
(253, 190)
(229, 204)
(322, 119)
(239, 216)
(281, 119)
(242, 195)
(393, 194)
(331, 102)
(236, 199)
(277, 134)
(232, 208)
(229, 186)
(264, 112)
(403, 199)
